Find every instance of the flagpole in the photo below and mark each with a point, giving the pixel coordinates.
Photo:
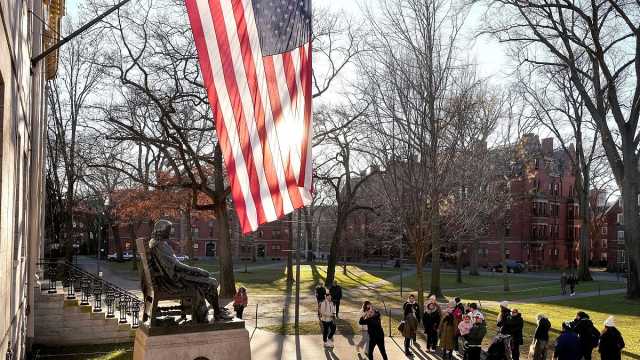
(299, 234)
(65, 40)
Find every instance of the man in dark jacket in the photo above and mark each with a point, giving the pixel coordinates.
(567, 347)
(336, 295)
(374, 329)
(588, 335)
(512, 324)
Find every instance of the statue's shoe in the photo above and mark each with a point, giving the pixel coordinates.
(222, 317)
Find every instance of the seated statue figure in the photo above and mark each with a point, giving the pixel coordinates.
(179, 275)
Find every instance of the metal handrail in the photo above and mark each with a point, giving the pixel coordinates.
(92, 287)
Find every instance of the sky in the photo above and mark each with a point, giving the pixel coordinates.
(487, 53)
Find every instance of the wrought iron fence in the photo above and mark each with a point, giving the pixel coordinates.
(91, 290)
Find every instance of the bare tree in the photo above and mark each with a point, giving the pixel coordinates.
(420, 101)
(67, 96)
(598, 45)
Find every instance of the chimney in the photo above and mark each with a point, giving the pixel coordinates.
(547, 146)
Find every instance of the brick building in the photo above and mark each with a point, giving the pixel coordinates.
(544, 229)
(270, 241)
(616, 255)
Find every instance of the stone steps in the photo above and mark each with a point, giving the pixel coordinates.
(62, 321)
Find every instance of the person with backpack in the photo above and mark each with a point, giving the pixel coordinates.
(411, 306)
(409, 328)
(567, 346)
(376, 335)
(538, 349)
(611, 341)
(588, 335)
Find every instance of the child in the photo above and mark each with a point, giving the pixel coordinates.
(465, 326)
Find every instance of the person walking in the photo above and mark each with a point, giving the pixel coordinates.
(327, 317)
(473, 340)
(409, 328)
(376, 335)
(538, 349)
(447, 331)
(588, 335)
(572, 282)
(240, 301)
(563, 284)
(567, 347)
(431, 322)
(505, 312)
(611, 341)
(364, 339)
(336, 295)
(411, 306)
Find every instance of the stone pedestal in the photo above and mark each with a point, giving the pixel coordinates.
(219, 341)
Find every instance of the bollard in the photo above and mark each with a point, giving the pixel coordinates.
(598, 289)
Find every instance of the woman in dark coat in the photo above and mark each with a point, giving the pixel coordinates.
(431, 321)
(611, 342)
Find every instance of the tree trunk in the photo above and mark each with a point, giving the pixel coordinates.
(459, 260)
(115, 229)
(134, 251)
(435, 252)
(225, 257)
(583, 269)
(188, 231)
(420, 281)
(333, 254)
(290, 252)
(631, 218)
(503, 253)
(474, 257)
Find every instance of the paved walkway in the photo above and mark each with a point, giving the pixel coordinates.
(269, 346)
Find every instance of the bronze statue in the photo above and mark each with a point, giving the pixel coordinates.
(178, 277)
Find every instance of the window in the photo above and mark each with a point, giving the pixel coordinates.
(603, 230)
(620, 219)
(507, 253)
(260, 234)
(620, 257)
(507, 230)
(620, 236)
(604, 243)
(276, 247)
(195, 231)
(195, 245)
(276, 234)
(536, 164)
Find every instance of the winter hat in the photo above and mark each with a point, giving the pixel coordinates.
(504, 304)
(478, 314)
(610, 322)
(566, 325)
(433, 298)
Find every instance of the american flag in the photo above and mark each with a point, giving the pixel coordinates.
(255, 57)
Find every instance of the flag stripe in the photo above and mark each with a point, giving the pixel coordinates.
(243, 207)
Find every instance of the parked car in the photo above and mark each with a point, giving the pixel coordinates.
(182, 257)
(126, 256)
(512, 267)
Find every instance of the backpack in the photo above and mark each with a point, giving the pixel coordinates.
(595, 336)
